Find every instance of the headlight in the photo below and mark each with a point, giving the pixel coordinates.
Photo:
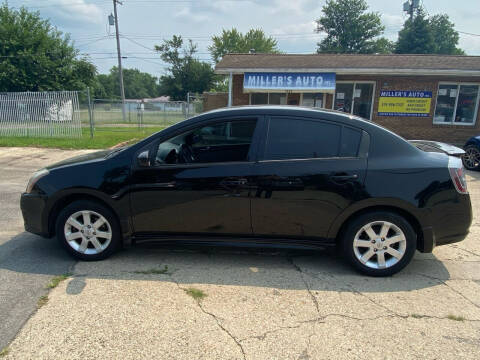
(36, 176)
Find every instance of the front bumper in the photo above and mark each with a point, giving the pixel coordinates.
(33, 211)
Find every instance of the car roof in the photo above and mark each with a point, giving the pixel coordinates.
(289, 110)
(275, 109)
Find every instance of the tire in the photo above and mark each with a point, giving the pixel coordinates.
(92, 230)
(396, 246)
(471, 158)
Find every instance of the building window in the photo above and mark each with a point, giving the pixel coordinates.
(354, 98)
(457, 104)
(268, 98)
(259, 99)
(313, 100)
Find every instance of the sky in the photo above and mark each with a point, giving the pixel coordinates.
(145, 23)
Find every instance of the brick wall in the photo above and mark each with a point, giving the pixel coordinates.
(214, 100)
(238, 96)
(408, 127)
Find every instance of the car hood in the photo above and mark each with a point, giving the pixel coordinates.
(90, 157)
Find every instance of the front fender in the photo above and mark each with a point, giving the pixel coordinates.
(119, 205)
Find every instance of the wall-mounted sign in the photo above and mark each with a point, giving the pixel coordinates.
(296, 82)
(404, 103)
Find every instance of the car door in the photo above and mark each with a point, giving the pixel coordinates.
(208, 195)
(310, 171)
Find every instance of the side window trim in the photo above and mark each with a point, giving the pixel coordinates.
(252, 153)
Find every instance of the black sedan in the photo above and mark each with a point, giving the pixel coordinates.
(276, 176)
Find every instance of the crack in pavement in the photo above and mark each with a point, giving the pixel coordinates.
(350, 287)
(322, 319)
(219, 324)
(296, 267)
(465, 250)
(451, 288)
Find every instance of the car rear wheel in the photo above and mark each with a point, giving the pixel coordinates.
(471, 158)
(88, 230)
(379, 243)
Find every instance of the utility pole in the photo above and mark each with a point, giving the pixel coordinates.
(410, 6)
(120, 70)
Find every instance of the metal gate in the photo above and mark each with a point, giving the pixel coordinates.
(40, 114)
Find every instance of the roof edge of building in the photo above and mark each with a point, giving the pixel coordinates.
(356, 71)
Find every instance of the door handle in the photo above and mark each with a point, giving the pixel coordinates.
(167, 185)
(234, 182)
(345, 177)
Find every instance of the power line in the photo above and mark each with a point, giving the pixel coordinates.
(467, 33)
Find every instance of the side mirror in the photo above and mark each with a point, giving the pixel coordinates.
(144, 159)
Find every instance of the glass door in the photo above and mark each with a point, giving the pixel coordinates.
(313, 100)
(362, 100)
(344, 97)
(354, 98)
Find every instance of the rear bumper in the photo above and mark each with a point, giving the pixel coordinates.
(450, 224)
(33, 208)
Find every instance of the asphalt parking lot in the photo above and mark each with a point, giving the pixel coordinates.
(164, 302)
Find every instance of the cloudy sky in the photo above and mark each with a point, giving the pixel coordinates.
(144, 23)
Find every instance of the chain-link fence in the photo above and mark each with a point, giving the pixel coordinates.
(138, 113)
(74, 114)
(40, 114)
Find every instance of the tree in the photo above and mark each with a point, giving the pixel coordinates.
(233, 41)
(350, 29)
(138, 85)
(416, 36)
(445, 37)
(382, 46)
(434, 35)
(187, 73)
(35, 56)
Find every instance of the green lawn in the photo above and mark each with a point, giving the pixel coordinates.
(104, 137)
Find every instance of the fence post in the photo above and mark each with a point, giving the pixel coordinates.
(90, 114)
(165, 114)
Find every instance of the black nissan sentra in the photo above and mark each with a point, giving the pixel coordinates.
(267, 175)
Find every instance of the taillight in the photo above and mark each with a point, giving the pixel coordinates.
(455, 167)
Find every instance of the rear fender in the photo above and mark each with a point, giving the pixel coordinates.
(420, 216)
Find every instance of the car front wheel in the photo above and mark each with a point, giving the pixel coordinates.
(88, 230)
(379, 243)
(471, 158)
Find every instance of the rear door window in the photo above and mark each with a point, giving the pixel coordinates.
(350, 142)
(301, 139)
(290, 138)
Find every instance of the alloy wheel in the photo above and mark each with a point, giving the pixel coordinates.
(87, 232)
(471, 158)
(379, 245)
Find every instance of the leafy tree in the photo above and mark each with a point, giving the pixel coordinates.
(423, 35)
(382, 46)
(35, 56)
(138, 85)
(233, 41)
(350, 29)
(187, 73)
(416, 36)
(445, 37)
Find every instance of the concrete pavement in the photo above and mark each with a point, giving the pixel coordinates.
(27, 262)
(256, 304)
